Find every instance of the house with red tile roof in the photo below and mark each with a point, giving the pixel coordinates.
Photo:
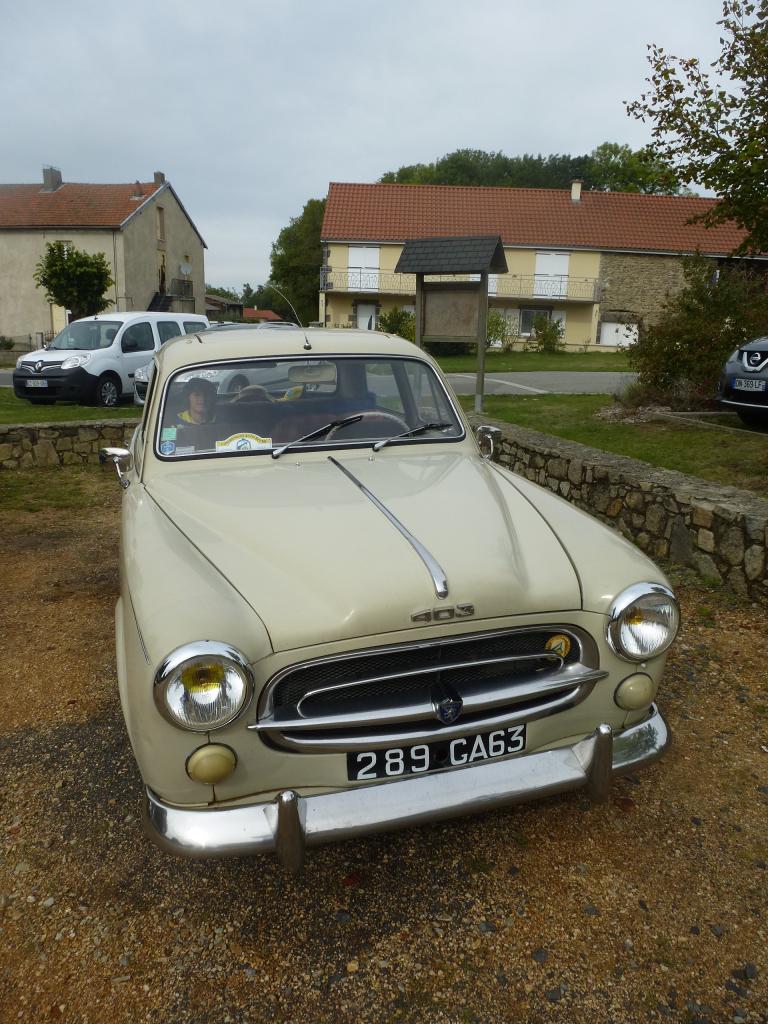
(595, 261)
(153, 248)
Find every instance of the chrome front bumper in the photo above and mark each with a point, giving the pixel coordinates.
(291, 822)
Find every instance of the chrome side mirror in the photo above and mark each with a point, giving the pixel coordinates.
(121, 459)
(488, 437)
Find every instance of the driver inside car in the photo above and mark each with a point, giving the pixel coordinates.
(200, 395)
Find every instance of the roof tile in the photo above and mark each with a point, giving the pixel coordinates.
(72, 205)
(524, 217)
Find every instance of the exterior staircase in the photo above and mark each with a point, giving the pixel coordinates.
(161, 303)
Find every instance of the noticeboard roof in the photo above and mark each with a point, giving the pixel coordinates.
(474, 254)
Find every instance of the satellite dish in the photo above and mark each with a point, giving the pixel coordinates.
(185, 268)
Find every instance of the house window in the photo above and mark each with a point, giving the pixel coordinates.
(551, 278)
(160, 224)
(363, 268)
(528, 315)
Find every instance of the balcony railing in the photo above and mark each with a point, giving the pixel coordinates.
(513, 286)
(181, 288)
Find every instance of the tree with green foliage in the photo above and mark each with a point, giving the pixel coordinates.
(608, 168)
(615, 168)
(74, 279)
(296, 260)
(679, 358)
(224, 293)
(711, 127)
(398, 321)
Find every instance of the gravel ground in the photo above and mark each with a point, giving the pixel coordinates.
(649, 908)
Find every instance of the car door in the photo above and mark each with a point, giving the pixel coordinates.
(137, 343)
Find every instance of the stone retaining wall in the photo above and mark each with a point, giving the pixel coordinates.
(25, 446)
(721, 532)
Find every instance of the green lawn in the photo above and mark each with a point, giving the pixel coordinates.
(17, 410)
(63, 487)
(521, 362)
(740, 459)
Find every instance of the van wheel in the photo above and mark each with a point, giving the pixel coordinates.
(108, 391)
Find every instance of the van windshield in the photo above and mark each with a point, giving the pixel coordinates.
(87, 335)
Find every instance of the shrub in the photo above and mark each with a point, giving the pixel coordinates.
(497, 328)
(398, 321)
(547, 335)
(5, 343)
(679, 359)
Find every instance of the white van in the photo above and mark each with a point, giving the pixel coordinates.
(95, 359)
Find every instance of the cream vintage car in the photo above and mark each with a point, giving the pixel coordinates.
(339, 616)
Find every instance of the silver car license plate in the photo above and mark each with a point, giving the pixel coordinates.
(37, 383)
(427, 757)
(740, 384)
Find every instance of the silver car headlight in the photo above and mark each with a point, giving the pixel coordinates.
(203, 686)
(72, 361)
(142, 374)
(643, 621)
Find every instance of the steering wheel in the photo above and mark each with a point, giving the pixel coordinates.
(398, 424)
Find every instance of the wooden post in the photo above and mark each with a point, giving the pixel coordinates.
(419, 308)
(482, 335)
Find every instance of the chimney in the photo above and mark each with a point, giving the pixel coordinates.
(576, 190)
(51, 179)
(159, 178)
(137, 191)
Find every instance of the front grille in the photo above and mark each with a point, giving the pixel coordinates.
(374, 698)
(30, 366)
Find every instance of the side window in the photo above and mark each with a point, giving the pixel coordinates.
(139, 338)
(168, 329)
(192, 327)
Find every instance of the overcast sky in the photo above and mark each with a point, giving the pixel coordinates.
(251, 108)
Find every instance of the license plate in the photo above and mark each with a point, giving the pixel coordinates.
(740, 384)
(427, 757)
(37, 383)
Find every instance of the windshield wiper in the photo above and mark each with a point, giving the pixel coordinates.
(421, 429)
(316, 433)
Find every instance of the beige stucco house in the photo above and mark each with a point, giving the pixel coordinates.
(154, 250)
(599, 262)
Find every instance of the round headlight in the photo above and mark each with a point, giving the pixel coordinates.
(643, 621)
(203, 686)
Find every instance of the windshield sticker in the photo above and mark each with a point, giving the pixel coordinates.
(243, 443)
(167, 447)
(186, 449)
(168, 434)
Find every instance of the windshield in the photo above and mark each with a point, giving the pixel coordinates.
(260, 406)
(87, 335)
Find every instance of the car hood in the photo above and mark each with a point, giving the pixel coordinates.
(47, 355)
(319, 561)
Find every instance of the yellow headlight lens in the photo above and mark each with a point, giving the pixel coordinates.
(202, 678)
(203, 686)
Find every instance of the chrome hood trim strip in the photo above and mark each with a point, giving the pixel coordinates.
(436, 571)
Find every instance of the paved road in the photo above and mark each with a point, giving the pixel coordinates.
(543, 382)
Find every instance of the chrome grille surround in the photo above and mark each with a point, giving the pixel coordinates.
(384, 696)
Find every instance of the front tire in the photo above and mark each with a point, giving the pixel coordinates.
(107, 391)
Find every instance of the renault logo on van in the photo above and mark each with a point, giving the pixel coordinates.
(38, 366)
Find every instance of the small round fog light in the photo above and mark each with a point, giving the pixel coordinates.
(635, 692)
(211, 764)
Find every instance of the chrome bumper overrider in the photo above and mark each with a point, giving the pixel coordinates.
(291, 822)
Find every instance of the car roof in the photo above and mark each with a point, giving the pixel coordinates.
(309, 343)
(143, 314)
